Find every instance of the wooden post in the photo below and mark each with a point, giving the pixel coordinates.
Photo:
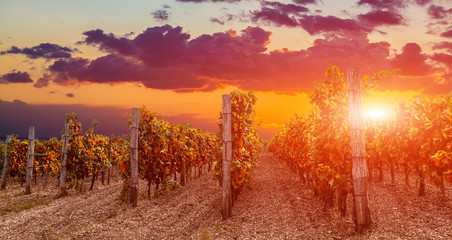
(109, 160)
(64, 160)
(5, 163)
(45, 178)
(31, 152)
(227, 156)
(359, 171)
(134, 156)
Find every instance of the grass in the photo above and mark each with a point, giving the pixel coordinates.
(24, 206)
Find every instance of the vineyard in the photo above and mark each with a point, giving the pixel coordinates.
(180, 170)
(167, 154)
(416, 137)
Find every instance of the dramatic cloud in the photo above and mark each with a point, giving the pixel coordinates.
(16, 77)
(381, 17)
(319, 24)
(160, 15)
(278, 14)
(438, 12)
(412, 61)
(148, 46)
(43, 50)
(167, 58)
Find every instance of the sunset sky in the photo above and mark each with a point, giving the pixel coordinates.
(177, 57)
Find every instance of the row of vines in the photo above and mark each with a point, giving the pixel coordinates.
(247, 146)
(416, 137)
(167, 151)
(88, 154)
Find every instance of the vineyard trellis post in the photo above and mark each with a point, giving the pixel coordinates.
(227, 155)
(109, 160)
(134, 157)
(64, 160)
(5, 162)
(31, 151)
(359, 171)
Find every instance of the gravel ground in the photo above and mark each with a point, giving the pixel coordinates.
(274, 206)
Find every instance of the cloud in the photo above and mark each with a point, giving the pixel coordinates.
(381, 17)
(423, 2)
(160, 15)
(44, 50)
(278, 14)
(412, 61)
(443, 45)
(316, 24)
(305, 2)
(438, 12)
(167, 58)
(447, 34)
(383, 4)
(148, 46)
(42, 82)
(70, 95)
(16, 77)
(216, 20)
(240, 16)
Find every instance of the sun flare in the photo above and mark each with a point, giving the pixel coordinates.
(377, 113)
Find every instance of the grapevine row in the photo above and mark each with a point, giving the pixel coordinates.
(418, 137)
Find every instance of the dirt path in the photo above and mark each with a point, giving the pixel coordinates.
(274, 206)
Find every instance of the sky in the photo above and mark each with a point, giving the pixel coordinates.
(100, 58)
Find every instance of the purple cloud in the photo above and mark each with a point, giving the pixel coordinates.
(381, 17)
(304, 2)
(43, 50)
(167, 58)
(316, 24)
(278, 14)
(16, 77)
(160, 15)
(438, 12)
(423, 2)
(447, 34)
(412, 61)
(70, 95)
(148, 46)
(216, 20)
(383, 4)
(443, 45)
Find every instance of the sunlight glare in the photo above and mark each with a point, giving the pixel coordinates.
(376, 113)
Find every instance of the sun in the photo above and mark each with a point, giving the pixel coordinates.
(377, 113)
